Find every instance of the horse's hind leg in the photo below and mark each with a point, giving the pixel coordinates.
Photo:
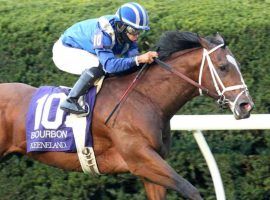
(154, 191)
(148, 164)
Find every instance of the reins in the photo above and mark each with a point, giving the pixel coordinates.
(219, 95)
(126, 92)
(189, 80)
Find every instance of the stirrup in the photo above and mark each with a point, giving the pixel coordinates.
(75, 108)
(85, 114)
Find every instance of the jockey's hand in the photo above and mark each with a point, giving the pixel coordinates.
(147, 57)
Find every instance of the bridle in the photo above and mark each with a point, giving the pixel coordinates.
(222, 100)
(219, 95)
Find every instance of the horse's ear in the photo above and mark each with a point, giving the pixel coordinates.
(218, 37)
(204, 42)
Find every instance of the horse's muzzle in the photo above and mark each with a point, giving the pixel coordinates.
(243, 109)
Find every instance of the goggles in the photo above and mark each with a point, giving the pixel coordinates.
(132, 31)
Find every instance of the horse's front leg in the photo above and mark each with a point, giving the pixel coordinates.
(154, 191)
(145, 162)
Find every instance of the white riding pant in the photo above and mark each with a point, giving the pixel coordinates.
(73, 60)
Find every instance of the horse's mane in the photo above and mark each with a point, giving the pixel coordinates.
(173, 41)
(170, 42)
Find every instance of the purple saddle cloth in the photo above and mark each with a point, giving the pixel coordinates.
(46, 127)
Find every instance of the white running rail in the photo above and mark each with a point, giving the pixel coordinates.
(197, 123)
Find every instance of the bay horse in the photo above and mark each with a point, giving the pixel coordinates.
(137, 138)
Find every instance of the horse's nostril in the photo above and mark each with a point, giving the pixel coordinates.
(245, 106)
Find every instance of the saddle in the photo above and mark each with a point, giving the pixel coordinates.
(48, 128)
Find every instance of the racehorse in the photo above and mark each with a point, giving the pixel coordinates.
(137, 138)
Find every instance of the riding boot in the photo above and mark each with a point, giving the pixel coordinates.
(83, 84)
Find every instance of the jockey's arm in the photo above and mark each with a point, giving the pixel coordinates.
(112, 64)
(109, 61)
(133, 51)
(147, 57)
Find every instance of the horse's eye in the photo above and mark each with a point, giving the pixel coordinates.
(223, 67)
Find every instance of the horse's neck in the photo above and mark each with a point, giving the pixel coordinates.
(168, 91)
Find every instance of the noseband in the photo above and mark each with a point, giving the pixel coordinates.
(222, 100)
(219, 95)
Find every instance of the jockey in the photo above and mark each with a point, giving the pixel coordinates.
(104, 45)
